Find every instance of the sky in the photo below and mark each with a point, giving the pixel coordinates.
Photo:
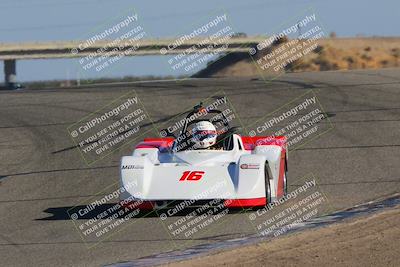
(51, 20)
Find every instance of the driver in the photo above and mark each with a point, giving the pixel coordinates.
(204, 135)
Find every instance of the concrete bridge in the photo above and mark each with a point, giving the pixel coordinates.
(11, 52)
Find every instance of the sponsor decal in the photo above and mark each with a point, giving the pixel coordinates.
(130, 167)
(250, 166)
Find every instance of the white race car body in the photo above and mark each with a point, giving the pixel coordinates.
(252, 173)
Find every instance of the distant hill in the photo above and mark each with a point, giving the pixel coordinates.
(330, 54)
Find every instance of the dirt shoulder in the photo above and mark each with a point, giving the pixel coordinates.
(364, 241)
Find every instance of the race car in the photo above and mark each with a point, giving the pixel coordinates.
(207, 160)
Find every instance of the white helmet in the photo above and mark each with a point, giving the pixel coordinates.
(204, 134)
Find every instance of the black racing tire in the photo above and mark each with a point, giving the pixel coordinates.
(285, 184)
(267, 183)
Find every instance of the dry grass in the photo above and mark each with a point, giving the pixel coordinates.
(331, 54)
(355, 53)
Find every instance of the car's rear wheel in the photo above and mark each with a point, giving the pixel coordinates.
(285, 180)
(285, 184)
(267, 176)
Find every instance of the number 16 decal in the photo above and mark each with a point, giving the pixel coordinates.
(192, 176)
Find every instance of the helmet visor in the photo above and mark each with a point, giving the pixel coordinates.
(203, 135)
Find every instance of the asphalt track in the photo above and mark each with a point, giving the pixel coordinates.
(42, 173)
